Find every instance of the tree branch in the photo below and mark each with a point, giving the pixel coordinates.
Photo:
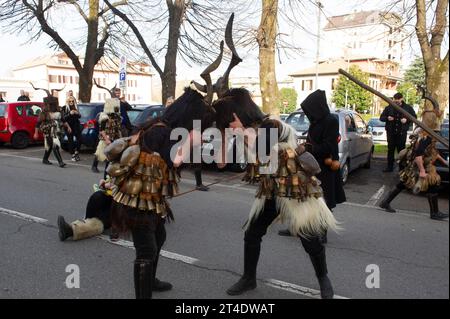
(115, 5)
(80, 10)
(438, 31)
(138, 35)
(53, 34)
(421, 32)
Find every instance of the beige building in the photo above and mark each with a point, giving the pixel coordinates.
(57, 71)
(367, 33)
(383, 76)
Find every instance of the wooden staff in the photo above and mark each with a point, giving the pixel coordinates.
(432, 133)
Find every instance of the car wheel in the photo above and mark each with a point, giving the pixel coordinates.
(20, 140)
(369, 160)
(344, 172)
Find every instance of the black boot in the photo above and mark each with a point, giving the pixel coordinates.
(320, 267)
(248, 280)
(159, 285)
(143, 278)
(46, 156)
(58, 157)
(434, 208)
(65, 230)
(94, 165)
(386, 202)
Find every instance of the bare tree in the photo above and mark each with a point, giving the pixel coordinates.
(436, 67)
(35, 17)
(187, 27)
(267, 33)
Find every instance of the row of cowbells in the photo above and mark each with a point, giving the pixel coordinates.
(140, 203)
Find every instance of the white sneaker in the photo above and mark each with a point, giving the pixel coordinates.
(74, 159)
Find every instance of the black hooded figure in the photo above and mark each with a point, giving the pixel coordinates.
(322, 143)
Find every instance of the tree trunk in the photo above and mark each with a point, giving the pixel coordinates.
(438, 87)
(267, 32)
(436, 69)
(169, 79)
(85, 87)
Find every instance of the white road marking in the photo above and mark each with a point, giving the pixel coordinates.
(277, 284)
(296, 289)
(374, 199)
(22, 216)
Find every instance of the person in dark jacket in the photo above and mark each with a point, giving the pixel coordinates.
(397, 126)
(23, 96)
(72, 116)
(322, 143)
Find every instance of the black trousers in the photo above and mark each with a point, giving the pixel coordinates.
(395, 142)
(149, 235)
(99, 206)
(74, 145)
(258, 228)
(198, 174)
(52, 147)
(430, 190)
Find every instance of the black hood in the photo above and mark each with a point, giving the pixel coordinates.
(315, 106)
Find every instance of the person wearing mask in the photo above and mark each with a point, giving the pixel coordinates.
(397, 126)
(322, 143)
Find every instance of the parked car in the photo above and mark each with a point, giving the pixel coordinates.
(378, 131)
(355, 141)
(142, 113)
(89, 125)
(283, 117)
(18, 121)
(442, 170)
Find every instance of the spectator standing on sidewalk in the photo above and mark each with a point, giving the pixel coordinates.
(23, 96)
(396, 128)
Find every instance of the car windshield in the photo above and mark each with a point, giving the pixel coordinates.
(87, 112)
(298, 121)
(147, 114)
(376, 123)
(133, 114)
(2, 110)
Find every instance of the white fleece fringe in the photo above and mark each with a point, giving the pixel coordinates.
(308, 218)
(100, 152)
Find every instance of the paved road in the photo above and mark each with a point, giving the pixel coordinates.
(203, 252)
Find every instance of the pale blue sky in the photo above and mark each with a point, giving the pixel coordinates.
(13, 52)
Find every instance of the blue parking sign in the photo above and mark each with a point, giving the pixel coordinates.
(122, 76)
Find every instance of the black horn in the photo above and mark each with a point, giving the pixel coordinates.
(111, 91)
(221, 86)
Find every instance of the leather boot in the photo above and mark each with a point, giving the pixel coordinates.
(434, 208)
(94, 165)
(58, 157)
(46, 156)
(248, 280)
(323, 239)
(386, 202)
(143, 278)
(320, 267)
(159, 285)
(65, 230)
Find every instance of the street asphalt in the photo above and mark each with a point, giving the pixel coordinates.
(203, 254)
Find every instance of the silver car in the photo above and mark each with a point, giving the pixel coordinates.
(355, 141)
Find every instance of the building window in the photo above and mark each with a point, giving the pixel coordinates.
(60, 79)
(307, 85)
(52, 78)
(333, 83)
(134, 97)
(77, 80)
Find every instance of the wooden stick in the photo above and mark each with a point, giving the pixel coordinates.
(432, 133)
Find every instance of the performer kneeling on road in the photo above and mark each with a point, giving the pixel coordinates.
(292, 195)
(419, 173)
(97, 217)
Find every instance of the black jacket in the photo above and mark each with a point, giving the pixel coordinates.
(396, 126)
(322, 143)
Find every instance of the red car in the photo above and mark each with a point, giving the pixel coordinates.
(17, 122)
